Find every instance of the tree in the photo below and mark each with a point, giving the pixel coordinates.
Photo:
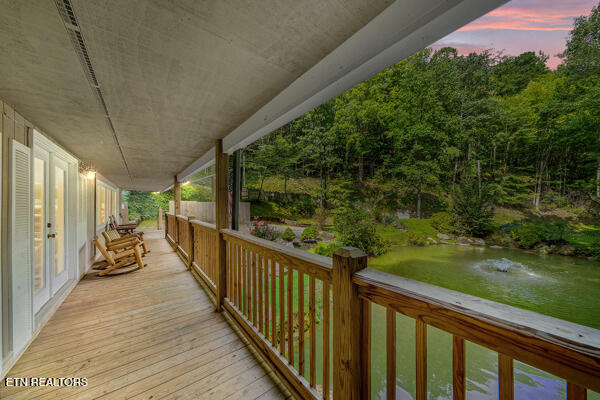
(472, 207)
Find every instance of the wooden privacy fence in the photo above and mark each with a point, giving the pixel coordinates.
(310, 318)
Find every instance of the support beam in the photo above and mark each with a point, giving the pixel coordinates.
(221, 218)
(237, 190)
(177, 189)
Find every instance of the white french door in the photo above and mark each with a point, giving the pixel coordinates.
(49, 226)
(41, 227)
(58, 200)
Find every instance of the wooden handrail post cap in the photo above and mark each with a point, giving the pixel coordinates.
(347, 319)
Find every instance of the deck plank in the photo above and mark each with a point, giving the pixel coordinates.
(152, 333)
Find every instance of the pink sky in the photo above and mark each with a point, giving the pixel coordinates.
(519, 26)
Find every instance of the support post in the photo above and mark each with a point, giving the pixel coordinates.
(177, 189)
(221, 218)
(190, 243)
(347, 319)
(159, 219)
(237, 189)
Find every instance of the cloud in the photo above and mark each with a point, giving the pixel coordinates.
(537, 15)
(520, 26)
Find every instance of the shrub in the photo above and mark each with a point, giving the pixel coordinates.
(288, 234)
(500, 238)
(443, 222)
(526, 235)
(417, 239)
(473, 207)
(262, 230)
(327, 249)
(553, 233)
(356, 229)
(309, 233)
(529, 234)
(305, 207)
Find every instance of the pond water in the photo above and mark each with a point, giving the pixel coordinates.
(563, 287)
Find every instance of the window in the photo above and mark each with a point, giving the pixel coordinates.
(102, 204)
(106, 203)
(115, 206)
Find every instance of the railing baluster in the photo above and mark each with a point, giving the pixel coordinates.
(273, 304)
(390, 351)
(421, 353)
(281, 311)
(326, 346)
(505, 377)
(576, 392)
(248, 297)
(240, 281)
(263, 296)
(458, 368)
(252, 288)
(290, 313)
(312, 332)
(366, 346)
(301, 323)
(256, 291)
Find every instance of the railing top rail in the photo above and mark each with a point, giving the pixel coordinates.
(168, 214)
(203, 224)
(563, 348)
(313, 264)
(182, 217)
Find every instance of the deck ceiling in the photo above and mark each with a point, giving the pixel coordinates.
(175, 75)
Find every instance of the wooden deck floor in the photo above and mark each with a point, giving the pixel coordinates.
(150, 334)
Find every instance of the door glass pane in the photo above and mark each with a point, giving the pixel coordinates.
(59, 220)
(98, 215)
(103, 204)
(39, 218)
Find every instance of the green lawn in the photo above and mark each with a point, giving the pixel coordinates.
(397, 237)
(584, 235)
(147, 224)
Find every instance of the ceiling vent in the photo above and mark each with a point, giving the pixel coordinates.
(65, 9)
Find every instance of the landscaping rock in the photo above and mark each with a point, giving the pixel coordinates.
(446, 242)
(543, 249)
(566, 250)
(432, 240)
(478, 242)
(326, 236)
(443, 236)
(464, 241)
(310, 241)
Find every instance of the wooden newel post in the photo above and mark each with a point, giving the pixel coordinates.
(222, 219)
(347, 321)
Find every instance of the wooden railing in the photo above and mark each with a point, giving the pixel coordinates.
(204, 255)
(567, 350)
(184, 239)
(171, 229)
(282, 300)
(273, 296)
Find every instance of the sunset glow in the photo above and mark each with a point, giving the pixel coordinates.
(521, 25)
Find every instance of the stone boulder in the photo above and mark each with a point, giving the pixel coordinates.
(464, 241)
(432, 240)
(478, 242)
(443, 236)
(447, 242)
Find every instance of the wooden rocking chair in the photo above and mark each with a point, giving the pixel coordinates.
(122, 255)
(113, 238)
(126, 229)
